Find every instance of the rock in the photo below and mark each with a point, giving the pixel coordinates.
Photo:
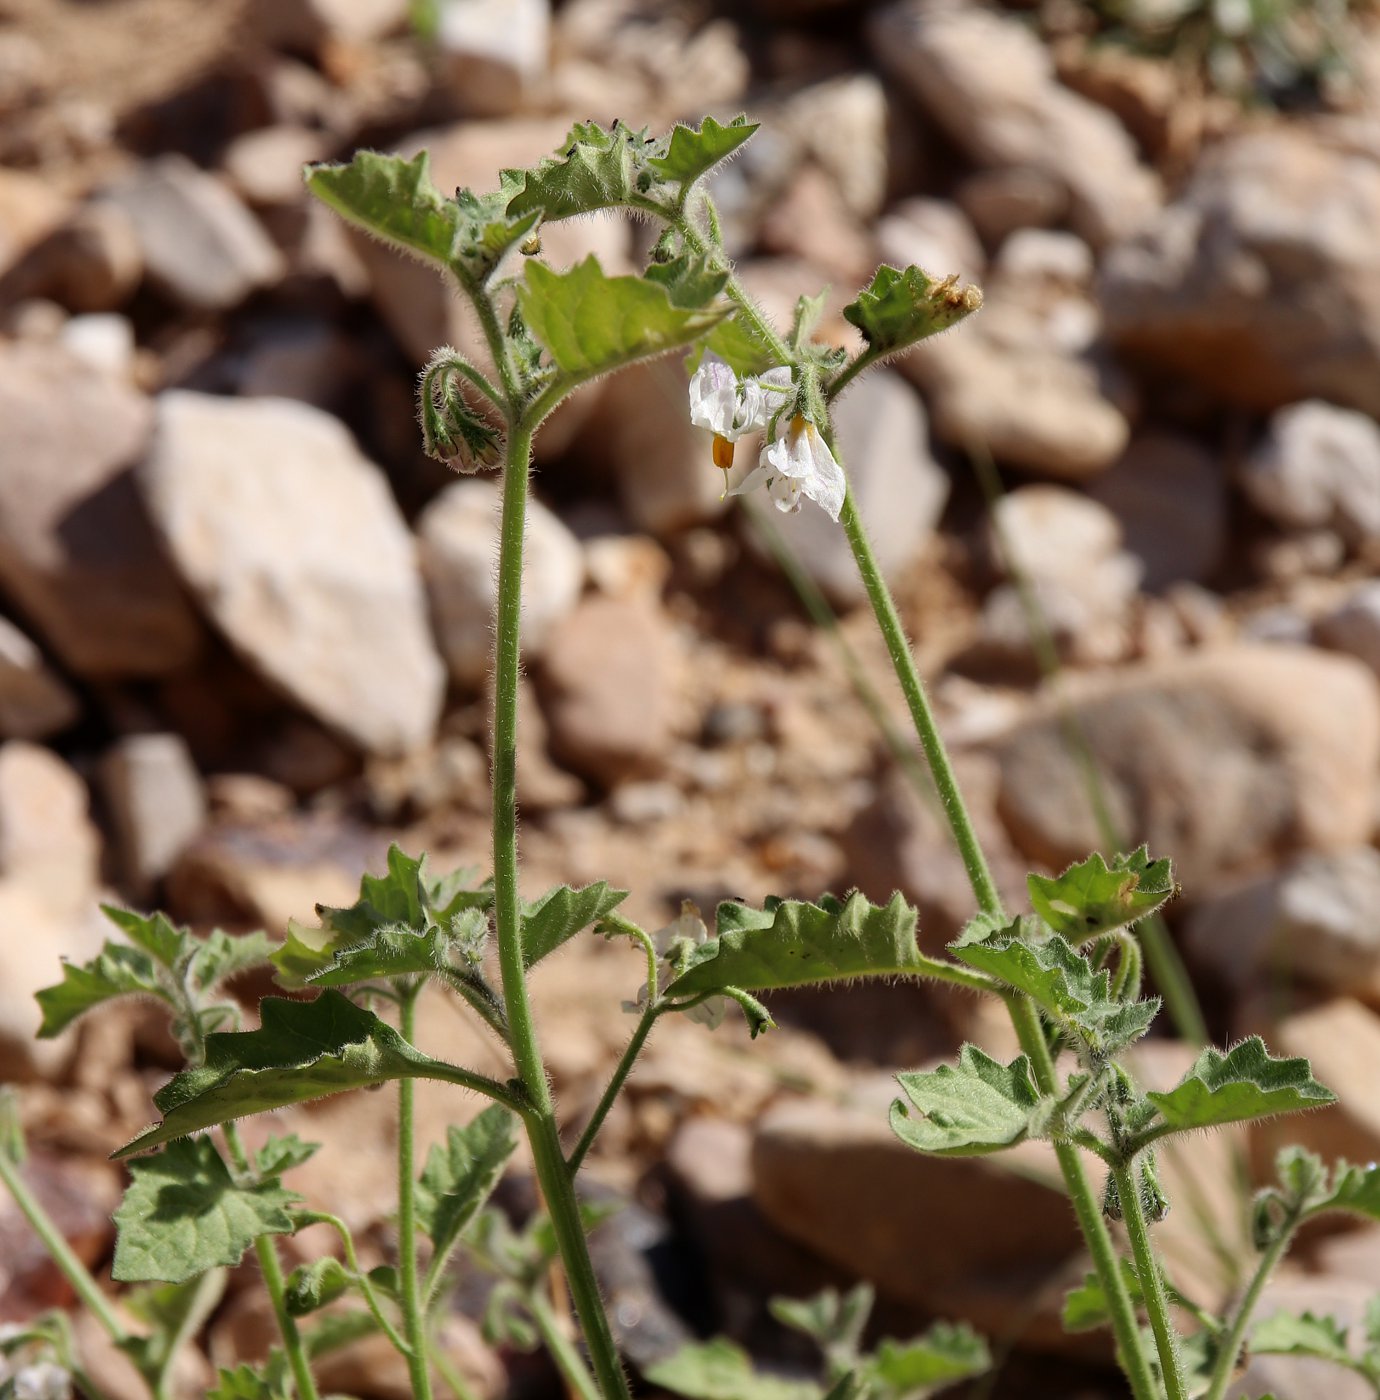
(1049, 532)
(1314, 920)
(933, 235)
(609, 684)
(1262, 281)
(1170, 497)
(200, 246)
(458, 544)
(310, 24)
(46, 836)
(92, 262)
(102, 340)
(841, 126)
(495, 51)
(1223, 760)
(1001, 201)
(993, 1238)
(1048, 256)
(373, 1366)
(542, 785)
(76, 550)
(1319, 465)
(265, 166)
(454, 775)
(626, 566)
(33, 701)
(897, 486)
(1354, 626)
(989, 82)
(156, 803)
(289, 538)
(808, 220)
(30, 206)
(313, 361)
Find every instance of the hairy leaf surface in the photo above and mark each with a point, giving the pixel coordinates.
(899, 308)
(1092, 898)
(964, 1110)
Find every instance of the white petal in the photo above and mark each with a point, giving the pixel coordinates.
(785, 493)
(758, 476)
(825, 484)
(714, 396)
(782, 455)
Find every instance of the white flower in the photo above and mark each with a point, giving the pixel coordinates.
(729, 407)
(798, 462)
(44, 1380)
(671, 946)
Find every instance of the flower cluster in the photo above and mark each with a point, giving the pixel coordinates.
(797, 461)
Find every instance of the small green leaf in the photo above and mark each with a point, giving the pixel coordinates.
(739, 346)
(183, 1214)
(945, 1353)
(334, 1330)
(117, 970)
(397, 952)
(974, 1107)
(247, 1382)
(689, 282)
(595, 169)
(459, 1178)
(718, 1370)
(1091, 898)
(693, 151)
(1286, 1334)
(790, 943)
(562, 913)
(899, 308)
(312, 1286)
(1233, 1088)
(281, 1154)
(829, 1317)
(154, 933)
(302, 1050)
(221, 956)
(590, 323)
(302, 954)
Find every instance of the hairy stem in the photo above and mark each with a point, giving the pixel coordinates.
(567, 1359)
(1230, 1350)
(409, 1284)
(366, 1288)
(614, 1087)
(1151, 1280)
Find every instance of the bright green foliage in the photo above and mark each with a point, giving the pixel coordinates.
(220, 956)
(946, 1352)
(1085, 1307)
(154, 933)
(790, 943)
(302, 1050)
(719, 1370)
(1090, 898)
(1234, 1088)
(281, 1154)
(693, 151)
(590, 323)
(735, 342)
(689, 282)
(117, 970)
(183, 1214)
(392, 952)
(460, 1176)
(312, 1286)
(1307, 1188)
(561, 913)
(452, 431)
(835, 1320)
(245, 1382)
(899, 308)
(974, 1107)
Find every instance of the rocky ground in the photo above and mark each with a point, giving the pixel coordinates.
(246, 621)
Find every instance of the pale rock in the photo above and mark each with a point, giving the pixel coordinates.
(1280, 624)
(990, 83)
(291, 541)
(102, 340)
(896, 484)
(1318, 465)
(1304, 1377)
(1223, 759)
(1085, 617)
(33, 701)
(1042, 255)
(808, 220)
(1314, 919)
(90, 262)
(841, 125)
(1171, 499)
(265, 165)
(76, 550)
(30, 206)
(1001, 201)
(200, 246)
(27, 70)
(1300, 554)
(310, 24)
(610, 683)
(156, 803)
(543, 786)
(933, 235)
(247, 797)
(1262, 280)
(455, 774)
(626, 566)
(458, 544)
(373, 1366)
(1354, 626)
(46, 835)
(495, 51)
(1049, 532)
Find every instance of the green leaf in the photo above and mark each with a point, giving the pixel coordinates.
(117, 970)
(302, 954)
(596, 169)
(312, 1286)
(739, 346)
(899, 308)
(1286, 1334)
(831, 1318)
(334, 1330)
(183, 1214)
(790, 943)
(974, 1107)
(221, 956)
(302, 1050)
(590, 323)
(247, 1382)
(393, 199)
(396, 952)
(1091, 898)
(562, 913)
(1234, 1088)
(154, 933)
(459, 1177)
(281, 1154)
(718, 1370)
(947, 1352)
(689, 282)
(693, 151)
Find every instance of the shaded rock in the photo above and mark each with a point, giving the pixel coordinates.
(897, 486)
(808, 220)
(1049, 532)
(1223, 760)
(495, 51)
(542, 785)
(1354, 627)
(265, 166)
(155, 799)
(295, 359)
(933, 235)
(30, 206)
(291, 541)
(1001, 201)
(91, 262)
(1262, 280)
(457, 538)
(1170, 497)
(453, 774)
(200, 246)
(990, 83)
(609, 685)
(1302, 1377)
(1315, 919)
(76, 550)
(1318, 465)
(33, 701)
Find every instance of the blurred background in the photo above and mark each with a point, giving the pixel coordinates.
(1131, 511)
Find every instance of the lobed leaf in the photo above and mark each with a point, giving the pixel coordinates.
(460, 1176)
(221, 956)
(790, 943)
(302, 1050)
(562, 913)
(184, 1214)
(247, 1382)
(154, 933)
(974, 1107)
(281, 1154)
(945, 1353)
(596, 169)
(1288, 1334)
(898, 308)
(719, 1370)
(117, 970)
(1092, 898)
(691, 152)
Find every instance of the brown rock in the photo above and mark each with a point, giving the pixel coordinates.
(46, 835)
(33, 701)
(92, 262)
(155, 799)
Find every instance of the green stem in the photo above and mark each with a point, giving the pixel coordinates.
(1231, 1344)
(567, 1359)
(272, 1270)
(539, 1115)
(371, 1297)
(614, 1087)
(210, 1289)
(1151, 1280)
(409, 1284)
(73, 1270)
